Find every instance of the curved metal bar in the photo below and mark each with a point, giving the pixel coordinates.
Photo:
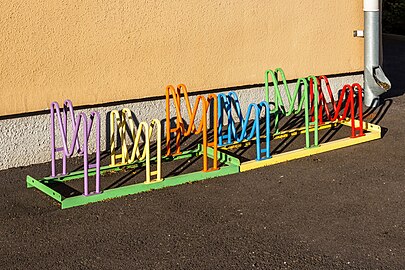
(175, 95)
(118, 122)
(346, 101)
(303, 102)
(81, 149)
(229, 101)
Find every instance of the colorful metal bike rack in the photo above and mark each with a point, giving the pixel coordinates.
(361, 131)
(309, 97)
(127, 161)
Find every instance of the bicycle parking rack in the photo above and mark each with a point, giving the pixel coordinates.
(46, 185)
(309, 97)
(314, 94)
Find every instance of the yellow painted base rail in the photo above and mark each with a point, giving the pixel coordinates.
(372, 132)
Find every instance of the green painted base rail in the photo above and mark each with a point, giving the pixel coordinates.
(231, 166)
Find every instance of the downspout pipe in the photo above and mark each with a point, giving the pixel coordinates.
(375, 81)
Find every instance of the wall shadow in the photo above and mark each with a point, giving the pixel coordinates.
(394, 64)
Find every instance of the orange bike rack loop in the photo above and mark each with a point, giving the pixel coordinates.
(179, 129)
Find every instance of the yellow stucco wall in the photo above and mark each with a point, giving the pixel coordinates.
(107, 50)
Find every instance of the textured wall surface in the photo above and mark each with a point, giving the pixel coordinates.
(26, 140)
(107, 50)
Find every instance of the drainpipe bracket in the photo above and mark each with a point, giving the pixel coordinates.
(358, 33)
